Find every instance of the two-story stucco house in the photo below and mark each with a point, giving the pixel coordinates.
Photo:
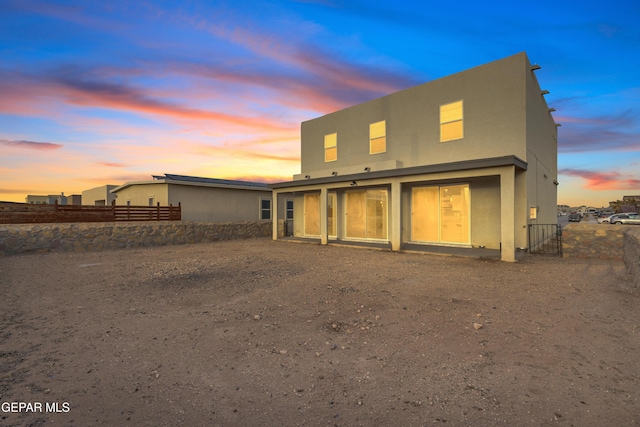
(466, 160)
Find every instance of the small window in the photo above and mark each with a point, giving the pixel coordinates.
(331, 147)
(378, 137)
(265, 208)
(289, 213)
(451, 121)
(150, 201)
(533, 212)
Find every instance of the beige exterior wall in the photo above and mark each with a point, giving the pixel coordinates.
(37, 200)
(493, 95)
(217, 204)
(199, 203)
(99, 196)
(542, 155)
(139, 194)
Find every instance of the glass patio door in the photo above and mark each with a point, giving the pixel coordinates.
(312, 214)
(440, 214)
(366, 214)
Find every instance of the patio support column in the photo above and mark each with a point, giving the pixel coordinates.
(395, 222)
(274, 214)
(507, 214)
(324, 229)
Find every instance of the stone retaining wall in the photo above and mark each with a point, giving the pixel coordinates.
(79, 237)
(599, 241)
(632, 254)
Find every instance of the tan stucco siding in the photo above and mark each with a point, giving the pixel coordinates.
(139, 195)
(97, 195)
(217, 204)
(494, 114)
(542, 154)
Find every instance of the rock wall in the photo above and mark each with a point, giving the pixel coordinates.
(79, 237)
(599, 241)
(632, 254)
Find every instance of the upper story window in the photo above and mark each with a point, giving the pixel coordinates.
(331, 147)
(378, 137)
(451, 121)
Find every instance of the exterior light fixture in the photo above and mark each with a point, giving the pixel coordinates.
(555, 181)
(535, 67)
(551, 110)
(354, 184)
(558, 125)
(367, 169)
(334, 173)
(307, 176)
(544, 92)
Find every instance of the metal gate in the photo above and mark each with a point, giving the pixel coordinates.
(545, 239)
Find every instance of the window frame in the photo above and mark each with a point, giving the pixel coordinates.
(376, 136)
(448, 121)
(288, 211)
(264, 210)
(331, 151)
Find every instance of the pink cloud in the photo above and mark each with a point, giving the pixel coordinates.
(31, 145)
(111, 165)
(25, 94)
(209, 150)
(604, 180)
(121, 97)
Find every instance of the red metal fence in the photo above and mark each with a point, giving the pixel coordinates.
(22, 213)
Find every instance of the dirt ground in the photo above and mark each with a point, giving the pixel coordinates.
(263, 333)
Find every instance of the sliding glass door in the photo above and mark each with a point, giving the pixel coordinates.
(440, 214)
(366, 214)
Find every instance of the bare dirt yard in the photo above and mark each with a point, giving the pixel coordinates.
(263, 333)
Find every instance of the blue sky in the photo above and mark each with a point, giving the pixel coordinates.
(95, 93)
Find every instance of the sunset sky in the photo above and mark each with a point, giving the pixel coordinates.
(106, 92)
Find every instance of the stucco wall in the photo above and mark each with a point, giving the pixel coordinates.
(494, 122)
(79, 237)
(199, 203)
(94, 196)
(632, 253)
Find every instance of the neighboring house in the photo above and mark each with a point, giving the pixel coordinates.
(466, 160)
(630, 204)
(74, 199)
(50, 199)
(201, 199)
(99, 196)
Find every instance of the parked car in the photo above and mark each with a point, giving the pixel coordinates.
(575, 217)
(604, 219)
(625, 218)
